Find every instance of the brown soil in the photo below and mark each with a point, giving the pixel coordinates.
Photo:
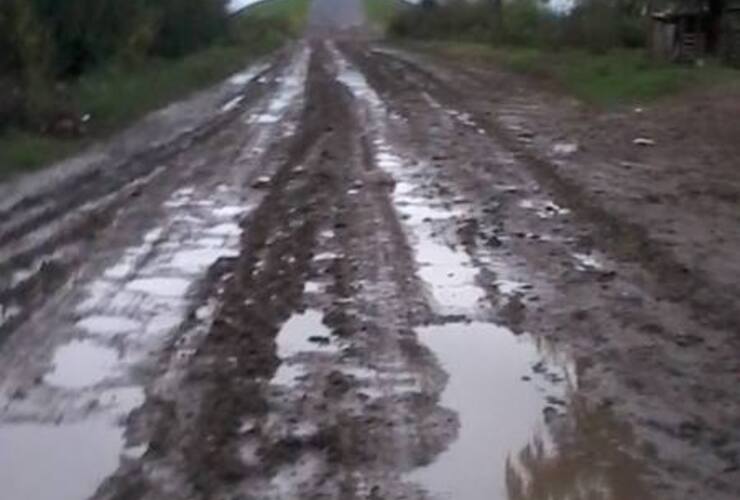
(359, 168)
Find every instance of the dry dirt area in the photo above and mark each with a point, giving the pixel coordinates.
(357, 272)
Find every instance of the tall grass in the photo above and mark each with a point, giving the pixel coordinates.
(118, 93)
(613, 78)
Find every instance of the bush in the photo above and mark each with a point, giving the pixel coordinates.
(597, 25)
(457, 19)
(45, 42)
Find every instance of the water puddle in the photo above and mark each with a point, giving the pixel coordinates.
(499, 412)
(57, 462)
(232, 104)
(81, 363)
(448, 272)
(304, 334)
(544, 209)
(587, 262)
(163, 287)
(512, 393)
(108, 325)
(136, 305)
(292, 85)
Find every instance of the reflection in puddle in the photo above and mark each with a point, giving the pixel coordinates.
(81, 363)
(589, 462)
(52, 452)
(59, 462)
(108, 325)
(498, 411)
(449, 273)
(66, 460)
(163, 287)
(522, 434)
(291, 87)
(303, 334)
(246, 76)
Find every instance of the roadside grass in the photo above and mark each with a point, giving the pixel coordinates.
(116, 96)
(381, 13)
(618, 77)
(24, 151)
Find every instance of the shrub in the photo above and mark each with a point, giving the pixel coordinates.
(45, 42)
(597, 25)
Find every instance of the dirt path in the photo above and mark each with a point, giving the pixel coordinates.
(339, 276)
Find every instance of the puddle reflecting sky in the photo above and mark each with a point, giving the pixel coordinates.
(498, 411)
(293, 340)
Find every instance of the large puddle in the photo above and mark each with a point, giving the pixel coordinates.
(67, 461)
(501, 403)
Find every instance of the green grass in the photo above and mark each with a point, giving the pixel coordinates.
(380, 13)
(23, 151)
(115, 97)
(292, 12)
(611, 79)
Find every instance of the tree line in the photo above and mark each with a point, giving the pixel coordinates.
(45, 42)
(597, 25)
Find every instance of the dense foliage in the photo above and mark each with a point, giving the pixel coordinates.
(44, 42)
(598, 25)
(73, 35)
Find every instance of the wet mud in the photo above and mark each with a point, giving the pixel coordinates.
(347, 282)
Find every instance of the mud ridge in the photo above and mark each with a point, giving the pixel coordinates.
(623, 239)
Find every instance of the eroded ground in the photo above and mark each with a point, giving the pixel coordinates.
(347, 273)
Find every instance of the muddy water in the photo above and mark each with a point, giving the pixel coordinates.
(295, 340)
(515, 397)
(65, 461)
(499, 411)
(68, 428)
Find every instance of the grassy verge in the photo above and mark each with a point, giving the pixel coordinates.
(381, 13)
(116, 96)
(618, 77)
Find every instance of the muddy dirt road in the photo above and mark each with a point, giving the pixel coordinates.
(338, 276)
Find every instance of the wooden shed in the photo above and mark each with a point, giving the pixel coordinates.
(688, 30)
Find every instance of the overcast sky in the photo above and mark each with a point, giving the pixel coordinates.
(557, 5)
(240, 4)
